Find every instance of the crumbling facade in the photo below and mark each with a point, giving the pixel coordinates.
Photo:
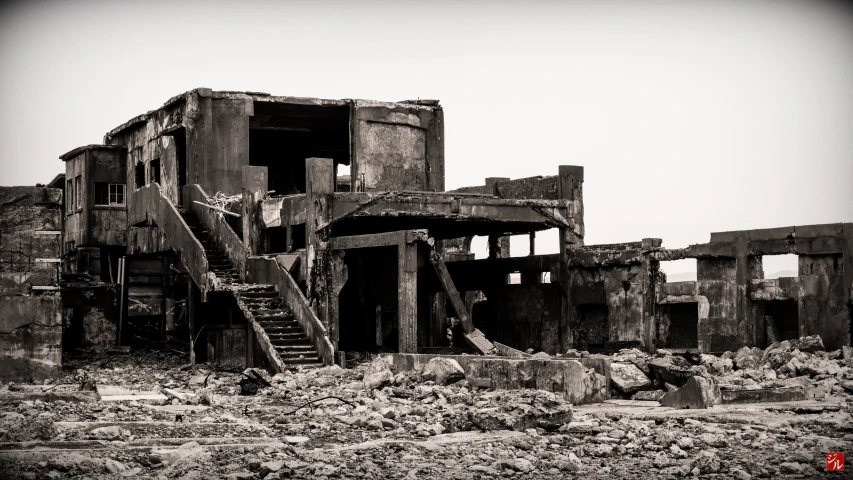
(228, 219)
(30, 307)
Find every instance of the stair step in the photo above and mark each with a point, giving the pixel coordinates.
(305, 362)
(300, 349)
(267, 324)
(292, 342)
(279, 317)
(261, 294)
(284, 330)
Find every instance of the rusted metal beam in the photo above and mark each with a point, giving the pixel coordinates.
(473, 336)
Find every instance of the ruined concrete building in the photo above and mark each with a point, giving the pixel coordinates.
(224, 218)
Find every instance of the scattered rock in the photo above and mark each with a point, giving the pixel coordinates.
(628, 378)
(810, 344)
(649, 395)
(443, 371)
(378, 374)
(698, 392)
(671, 369)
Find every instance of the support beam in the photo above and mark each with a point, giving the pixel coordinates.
(407, 296)
(473, 336)
(255, 185)
(319, 188)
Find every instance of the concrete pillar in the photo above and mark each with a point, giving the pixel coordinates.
(319, 191)
(407, 297)
(570, 183)
(255, 187)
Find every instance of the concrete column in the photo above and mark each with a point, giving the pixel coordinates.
(570, 183)
(255, 187)
(407, 296)
(319, 191)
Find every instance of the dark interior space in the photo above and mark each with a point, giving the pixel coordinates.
(139, 175)
(785, 316)
(72, 330)
(370, 294)
(180, 138)
(282, 136)
(154, 170)
(683, 325)
(593, 329)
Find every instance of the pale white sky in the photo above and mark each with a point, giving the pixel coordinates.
(689, 117)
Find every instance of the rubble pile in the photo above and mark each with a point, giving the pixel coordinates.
(159, 418)
(801, 364)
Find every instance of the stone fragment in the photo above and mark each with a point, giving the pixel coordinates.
(746, 359)
(443, 371)
(810, 344)
(847, 355)
(649, 395)
(114, 467)
(628, 378)
(378, 374)
(545, 410)
(697, 393)
(670, 369)
(205, 396)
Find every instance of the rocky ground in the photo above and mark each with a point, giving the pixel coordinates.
(369, 422)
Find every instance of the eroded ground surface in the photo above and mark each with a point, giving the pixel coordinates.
(409, 429)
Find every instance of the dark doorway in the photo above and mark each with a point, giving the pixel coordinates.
(684, 325)
(593, 327)
(368, 301)
(786, 317)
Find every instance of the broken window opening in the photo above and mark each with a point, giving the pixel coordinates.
(69, 196)
(139, 175)
(779, 266)
(78, 192)
(109, 194)
(343, 179)
(282, 136)
(678, 270)
(154, 171)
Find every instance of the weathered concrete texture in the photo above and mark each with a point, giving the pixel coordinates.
(698, 392)
(29, 238)
(30, 337)
(577, 382)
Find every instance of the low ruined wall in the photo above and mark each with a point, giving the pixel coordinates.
(30, 337)
(579, 380)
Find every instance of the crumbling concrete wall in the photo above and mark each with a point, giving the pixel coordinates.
(823, 309)
(30, 315)
(30, 337)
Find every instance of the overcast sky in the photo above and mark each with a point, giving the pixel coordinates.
(689, 117)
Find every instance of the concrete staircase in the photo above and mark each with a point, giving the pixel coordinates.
(288, 344)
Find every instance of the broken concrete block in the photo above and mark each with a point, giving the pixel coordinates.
(443, 371)
(628, 378)
(670, 369)
(746, 359)
(810, 344)
(530, 409)
(697, 393)
(378, 374)
(847, 355)
(649, 395)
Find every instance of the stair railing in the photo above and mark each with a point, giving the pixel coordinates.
(218, 228)
(149, 204)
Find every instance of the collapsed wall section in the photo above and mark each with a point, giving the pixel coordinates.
(30, 307)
